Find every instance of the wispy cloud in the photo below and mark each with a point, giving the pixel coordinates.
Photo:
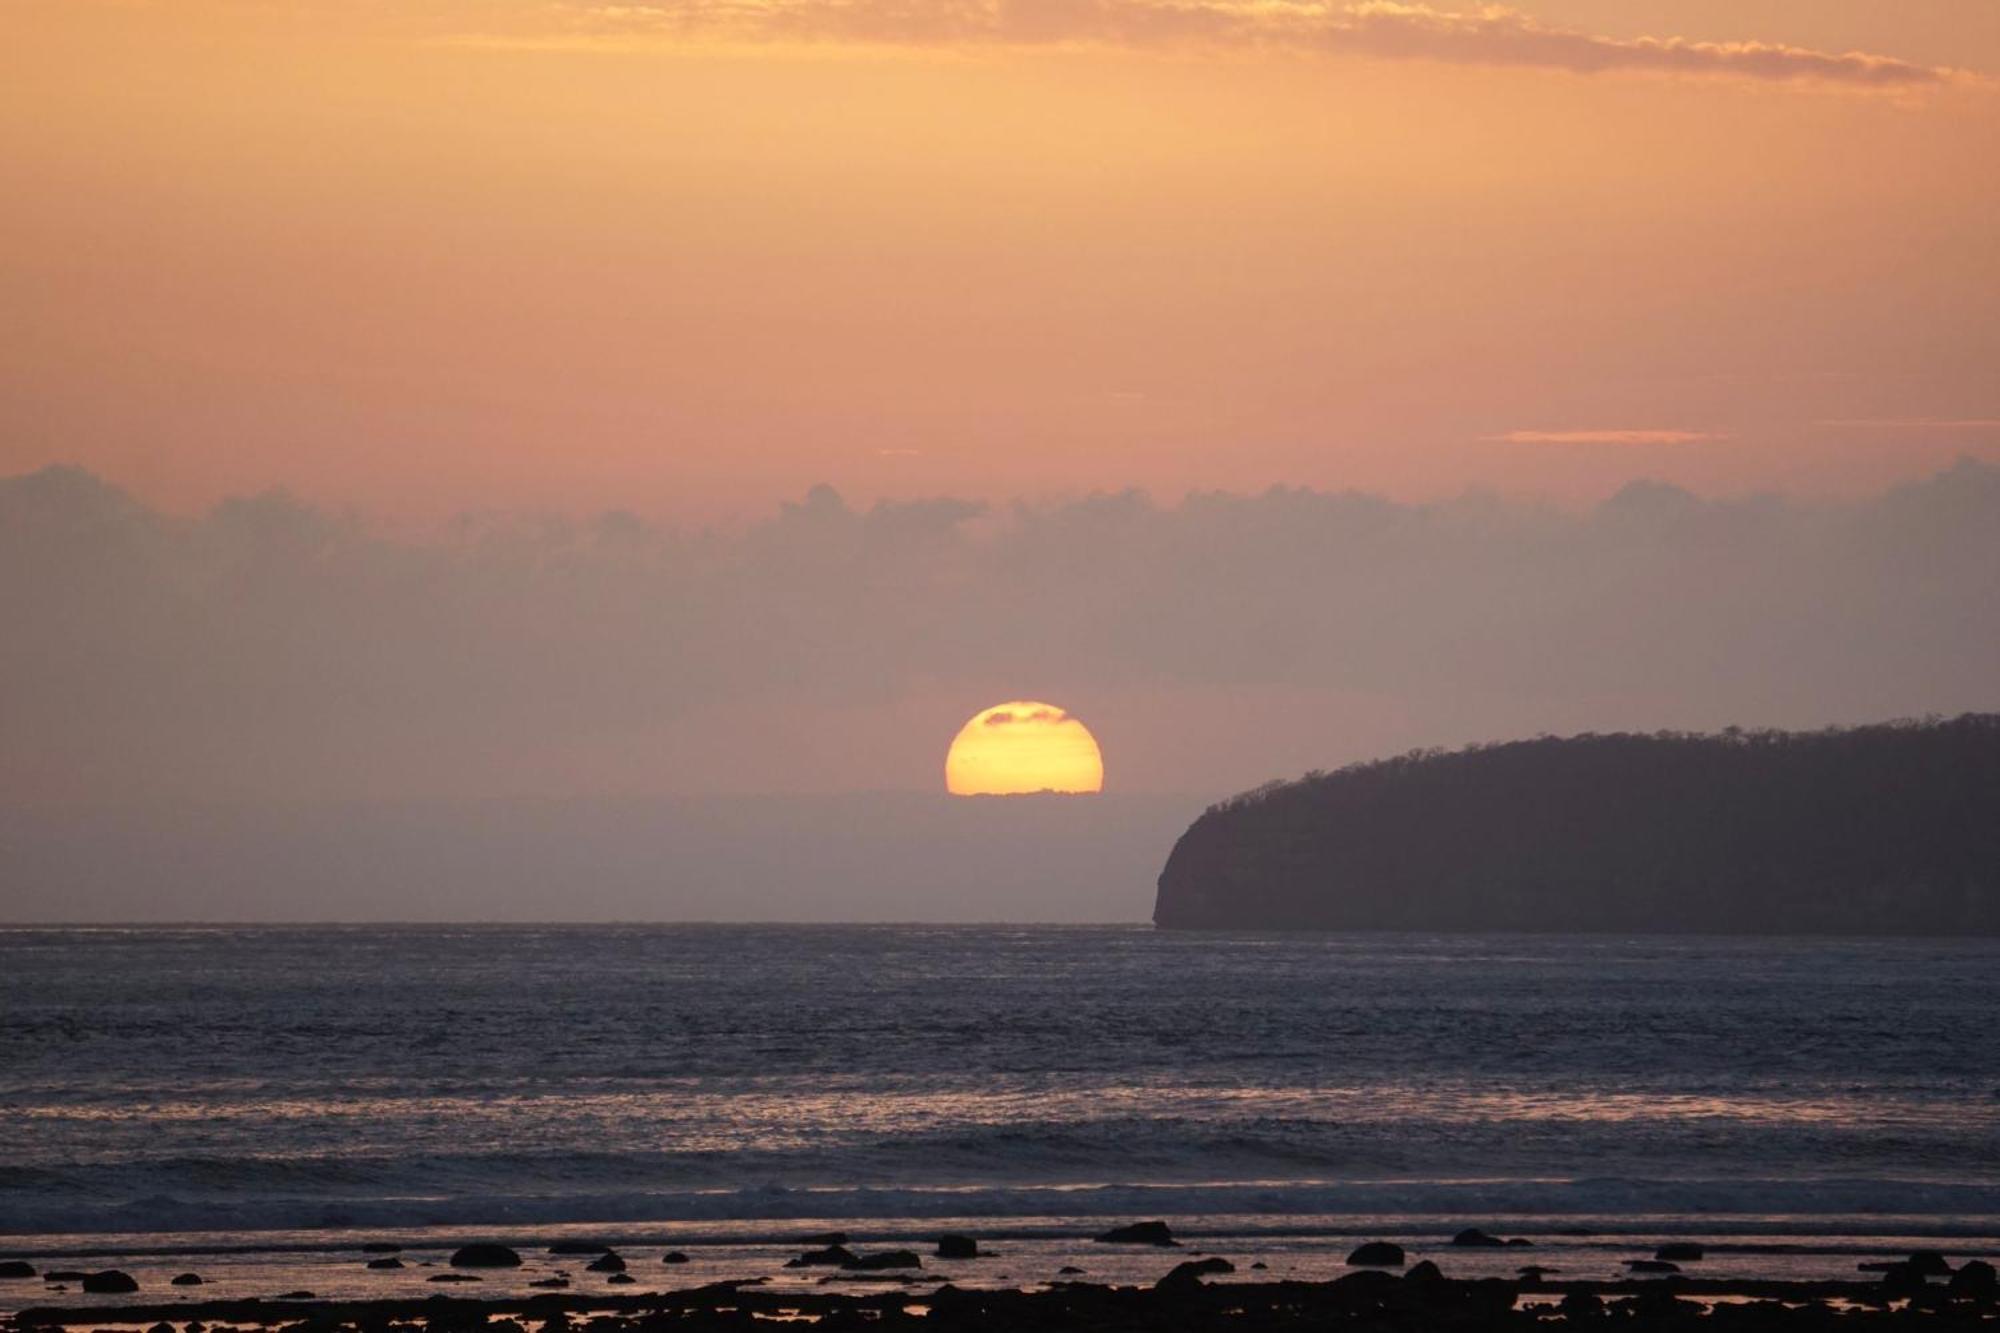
(1617, 436)
(1494, 35)
(1915, 423)
(1488, 35)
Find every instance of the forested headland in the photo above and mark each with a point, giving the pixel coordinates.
(1882, 829)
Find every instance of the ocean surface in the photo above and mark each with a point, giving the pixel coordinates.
(266, 1097)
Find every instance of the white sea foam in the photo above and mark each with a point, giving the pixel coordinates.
(1727, 1205)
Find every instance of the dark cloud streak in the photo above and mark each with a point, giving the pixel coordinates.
(1485, 35)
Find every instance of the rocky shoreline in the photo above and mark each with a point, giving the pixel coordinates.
(1926, 1291)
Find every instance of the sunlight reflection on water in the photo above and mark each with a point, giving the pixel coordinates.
(280, 1077)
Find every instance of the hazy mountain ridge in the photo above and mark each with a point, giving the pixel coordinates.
(1885, 829)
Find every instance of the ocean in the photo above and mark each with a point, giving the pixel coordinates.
(255, 1102)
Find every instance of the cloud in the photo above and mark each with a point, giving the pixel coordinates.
(272, 650)
(1003, 717)
(1976, 424)
(1618, 436)
(1494, 35)
(1487, 35)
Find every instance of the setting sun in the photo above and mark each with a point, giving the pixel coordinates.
(1020, 747)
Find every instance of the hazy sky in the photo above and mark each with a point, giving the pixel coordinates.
(690, 257)
(435, 433)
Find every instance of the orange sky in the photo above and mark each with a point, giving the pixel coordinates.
(689, 258)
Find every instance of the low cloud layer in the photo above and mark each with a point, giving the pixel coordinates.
(1971, 425)
(1621, 435)
(1492, 35)
(271, 651)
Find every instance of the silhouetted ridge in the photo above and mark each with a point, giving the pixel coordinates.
(1889, 829)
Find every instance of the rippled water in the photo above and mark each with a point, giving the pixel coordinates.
(226, 1080)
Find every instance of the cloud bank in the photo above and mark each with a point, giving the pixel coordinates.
(1489, 35)
(1620, 435)
(272, 651)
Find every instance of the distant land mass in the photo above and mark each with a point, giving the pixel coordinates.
(1892, 829)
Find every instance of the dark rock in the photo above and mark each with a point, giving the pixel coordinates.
(1928, 1263)
(64, 1275)
(453, 1277)
(16, 1268)
(1652, 1266)
(1423, 1270)
(1680, 1252)
(162, 1327)
(1581, 1305)
(1473, 1237)
(1536, 1272)
(484, 1255)
(556, 1283)
(1491, 1297)
(606, 1263)
(185, 1280)
(381, 1247)
(390, 1262)
(1260, 1264)
(1069, 1270)
(1368, 1286)
(957, 1247)
(1191, 1273)
(673, 1257)
(833, 1256)
(825, 1239)
(620, 1279)
(1377, 1254)
(110, 1282)
(295, 1296)
(1521, 1242)
(1139, 1233)
(884, 1259)
(579, 1247)
(1975, 1278)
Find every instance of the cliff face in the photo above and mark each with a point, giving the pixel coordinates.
(1891, 829)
